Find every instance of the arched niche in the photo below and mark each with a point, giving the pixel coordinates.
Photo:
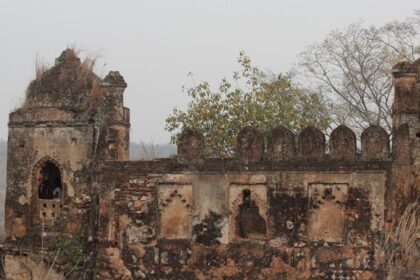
(175, 217)
(175, 202)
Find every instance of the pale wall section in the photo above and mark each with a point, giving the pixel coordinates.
(70, 148)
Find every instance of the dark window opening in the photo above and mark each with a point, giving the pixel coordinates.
(49, 184)
(250, 224)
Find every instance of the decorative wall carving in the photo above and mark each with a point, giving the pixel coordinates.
(175, 203)
(326, 220)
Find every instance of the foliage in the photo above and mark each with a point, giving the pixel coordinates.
(74, 251)
(402, 243)
(354, 66)
(252, 97)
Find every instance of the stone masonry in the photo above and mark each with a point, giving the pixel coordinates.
(286, 209)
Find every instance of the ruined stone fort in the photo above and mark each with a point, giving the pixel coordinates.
(283, 208)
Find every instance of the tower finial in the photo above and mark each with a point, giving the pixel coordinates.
(114, 79)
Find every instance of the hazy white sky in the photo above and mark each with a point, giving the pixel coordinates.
(154, 44)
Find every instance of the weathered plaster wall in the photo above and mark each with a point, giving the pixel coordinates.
(212, 248)
(70, 148)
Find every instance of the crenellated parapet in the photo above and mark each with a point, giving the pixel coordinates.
(283, 145)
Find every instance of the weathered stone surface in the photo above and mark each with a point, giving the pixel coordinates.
(68, 84)
(326, 221)
(343, 143)
(111, 266)
(174, 204)
(248, 205)
(281, 144)
(190, 146)
(375, 143)
(114, 79)
(406, 97)
(250, 145)
(312, 143)
(401, 144)
(25, 268)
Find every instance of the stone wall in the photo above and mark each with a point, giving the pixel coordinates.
(254, 215)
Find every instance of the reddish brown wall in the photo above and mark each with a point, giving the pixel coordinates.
(288, 210)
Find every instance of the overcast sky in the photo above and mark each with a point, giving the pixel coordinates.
(154, 44)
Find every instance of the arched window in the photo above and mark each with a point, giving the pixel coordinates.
(49, 182)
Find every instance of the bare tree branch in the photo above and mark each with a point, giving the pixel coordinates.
(353, 67)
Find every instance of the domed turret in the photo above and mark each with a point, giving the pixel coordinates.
(68, 84)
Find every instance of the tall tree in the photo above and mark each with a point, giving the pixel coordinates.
(252, 97)
(353, 67)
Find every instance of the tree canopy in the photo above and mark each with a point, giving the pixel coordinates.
(252, 97)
